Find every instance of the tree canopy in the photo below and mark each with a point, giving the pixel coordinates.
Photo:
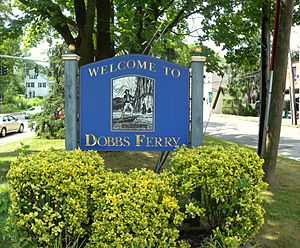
(9, 43)
(103, 28)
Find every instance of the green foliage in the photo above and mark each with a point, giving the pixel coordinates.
(135, 208)
(69, 199)
(34, 102)
(24, 149)
(235, 107)
(234, 26)
(296, 16)
(48, 124)
(19, 103)
(50, 194)
(226, 184)
(11, 84)
(8, 108)
(4, 205)
(4, 202)
(248, 110)
(231, 106)
(244, 82)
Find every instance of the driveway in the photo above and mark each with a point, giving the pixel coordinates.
(244, 131)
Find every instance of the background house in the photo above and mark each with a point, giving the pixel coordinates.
(36, 84)
(212, 82)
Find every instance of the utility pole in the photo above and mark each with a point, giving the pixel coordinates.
(265, 73)
(279, 68)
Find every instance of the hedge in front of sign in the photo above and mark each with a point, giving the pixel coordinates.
(68, 198)
(50, 193)
(227, 183)
(134, 209)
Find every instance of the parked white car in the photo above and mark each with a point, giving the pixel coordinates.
(9, 123)
(32, 111)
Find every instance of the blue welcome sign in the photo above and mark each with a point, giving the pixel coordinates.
(133, 102)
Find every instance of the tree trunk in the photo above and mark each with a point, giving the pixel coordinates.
(279, 80)
(84, 41)
(105, 47)
(265, 70)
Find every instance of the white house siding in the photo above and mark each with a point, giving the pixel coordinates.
(36, 86)
(212, 82)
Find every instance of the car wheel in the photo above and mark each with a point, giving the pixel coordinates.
(21, 128)
(3, 132)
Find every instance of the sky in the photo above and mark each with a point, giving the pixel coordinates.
(295, 38)
(39, 52)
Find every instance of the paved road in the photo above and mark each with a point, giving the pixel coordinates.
(244, 130)
(11, 137)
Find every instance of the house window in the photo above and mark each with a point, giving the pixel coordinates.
(27, 85)
(33, 93)
(44, 85)
(32, 85)
(40, 85)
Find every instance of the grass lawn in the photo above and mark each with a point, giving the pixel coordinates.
(281, 201)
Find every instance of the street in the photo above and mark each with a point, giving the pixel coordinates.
(244, 131)
(11, 137)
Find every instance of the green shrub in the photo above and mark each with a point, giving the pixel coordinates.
(69, 199)
(134, 209)
(8, 108)
(50, 195)
(248, 110)
(231, 106)
(48, 126)
(36, 101)
(235, 107)
(227, 183)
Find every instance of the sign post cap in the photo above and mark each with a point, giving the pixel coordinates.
(72, 48)
(198, 57)
(198, 51)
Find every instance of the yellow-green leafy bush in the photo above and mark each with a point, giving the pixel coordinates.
(226, 183)
(134, 209)
(50, 194)
(68, 198)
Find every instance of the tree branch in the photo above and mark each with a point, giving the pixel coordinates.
(165, 8)
(53, 13)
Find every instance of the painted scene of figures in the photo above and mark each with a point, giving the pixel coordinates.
(133, 107)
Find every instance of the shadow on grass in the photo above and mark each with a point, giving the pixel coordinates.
(281, 202)
(9, 157)
(125, 161)
(4, 167)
